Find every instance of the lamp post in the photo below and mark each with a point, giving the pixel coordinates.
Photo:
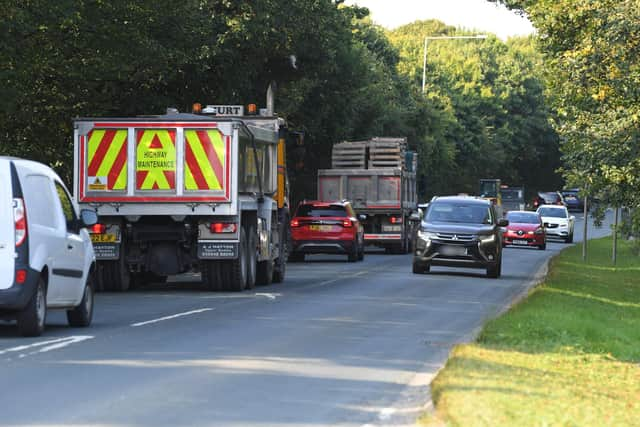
(424, 60)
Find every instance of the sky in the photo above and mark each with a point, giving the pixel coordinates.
(469, 14)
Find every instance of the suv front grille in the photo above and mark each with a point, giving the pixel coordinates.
(455, 237)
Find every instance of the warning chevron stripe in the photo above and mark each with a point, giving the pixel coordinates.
(107, 156)
(205, 156)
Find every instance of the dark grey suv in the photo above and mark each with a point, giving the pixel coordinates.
(460, 231)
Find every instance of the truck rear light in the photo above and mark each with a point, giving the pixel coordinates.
(20, 218)
(223, 227)
(295, 223)
(396, 220)
(98, 228)
(21, 276)
(347, 223)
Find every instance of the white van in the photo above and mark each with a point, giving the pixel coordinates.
(46, 256)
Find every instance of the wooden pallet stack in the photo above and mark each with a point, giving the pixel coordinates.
(377, 153)
(349, 155)
(387, 152)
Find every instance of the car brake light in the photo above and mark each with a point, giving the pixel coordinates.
(20, 218)
(223, 227)
(98, 228)
(347, 223)
(295, 223)
(21, 276)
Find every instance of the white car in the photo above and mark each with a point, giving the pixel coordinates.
(46, 255)
(557, 221)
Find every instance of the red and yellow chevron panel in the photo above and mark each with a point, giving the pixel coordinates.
(205, 159)
(156, 159)
(107, 160)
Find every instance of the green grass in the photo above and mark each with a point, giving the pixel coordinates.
(566, 356)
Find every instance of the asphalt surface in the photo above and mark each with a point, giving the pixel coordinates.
(338, 343)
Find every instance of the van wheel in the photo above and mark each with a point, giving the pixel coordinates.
(82, 315)
(32, 318)
(234, 274)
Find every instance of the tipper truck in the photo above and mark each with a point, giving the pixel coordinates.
(378, 176)
(199, 192)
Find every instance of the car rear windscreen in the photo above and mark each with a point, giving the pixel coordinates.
(316, 211)
(552, 212)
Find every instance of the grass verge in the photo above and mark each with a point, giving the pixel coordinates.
(567, 355)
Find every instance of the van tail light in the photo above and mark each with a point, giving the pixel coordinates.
(20, 218)
(223, 227)
(295, 223)
(347, 223)
(98, 228)
(21, 276)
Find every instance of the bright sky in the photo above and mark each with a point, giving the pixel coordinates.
(469, 14)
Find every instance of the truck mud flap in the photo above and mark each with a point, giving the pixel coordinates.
(106, 251)
(217, 250)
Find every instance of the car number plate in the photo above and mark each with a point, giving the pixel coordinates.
(453, 250)
(321, 227)
(520, 242)
(391, 228)
(103, 238)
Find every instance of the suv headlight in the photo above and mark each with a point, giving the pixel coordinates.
(486, 238)
(427, 235)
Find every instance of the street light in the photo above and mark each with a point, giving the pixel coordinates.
(424, 61)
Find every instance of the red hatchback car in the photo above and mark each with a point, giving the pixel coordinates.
(326, 228)
(525, 229)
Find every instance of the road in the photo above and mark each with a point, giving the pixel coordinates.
(338, 343)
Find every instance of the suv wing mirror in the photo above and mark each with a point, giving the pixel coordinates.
(503, 222)
(362, 217)
(415, 217)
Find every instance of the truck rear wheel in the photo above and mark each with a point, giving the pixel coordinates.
(212, 274)
(265, 272)
(114, 276)
(234, 272)
(252, 257)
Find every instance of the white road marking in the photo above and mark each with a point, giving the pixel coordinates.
(268, 295)
(46, 346)
(162, 319)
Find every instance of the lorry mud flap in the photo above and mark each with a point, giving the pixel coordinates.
(217, 250)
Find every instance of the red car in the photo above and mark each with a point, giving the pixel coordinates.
(525, 229)
(326, 228)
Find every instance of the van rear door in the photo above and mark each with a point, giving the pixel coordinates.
(7, 233)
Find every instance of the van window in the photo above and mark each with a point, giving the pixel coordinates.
(40, 201)
(67, 208)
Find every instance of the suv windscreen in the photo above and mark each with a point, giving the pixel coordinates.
(465, 213)
(523, 218)
(552, 212)
(316, 211)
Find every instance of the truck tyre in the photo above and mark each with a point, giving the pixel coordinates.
(32, 318)
(234, 274)
(212, 274)
(81, 315)
(265, 273)
(279, 268)
(252, 258)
